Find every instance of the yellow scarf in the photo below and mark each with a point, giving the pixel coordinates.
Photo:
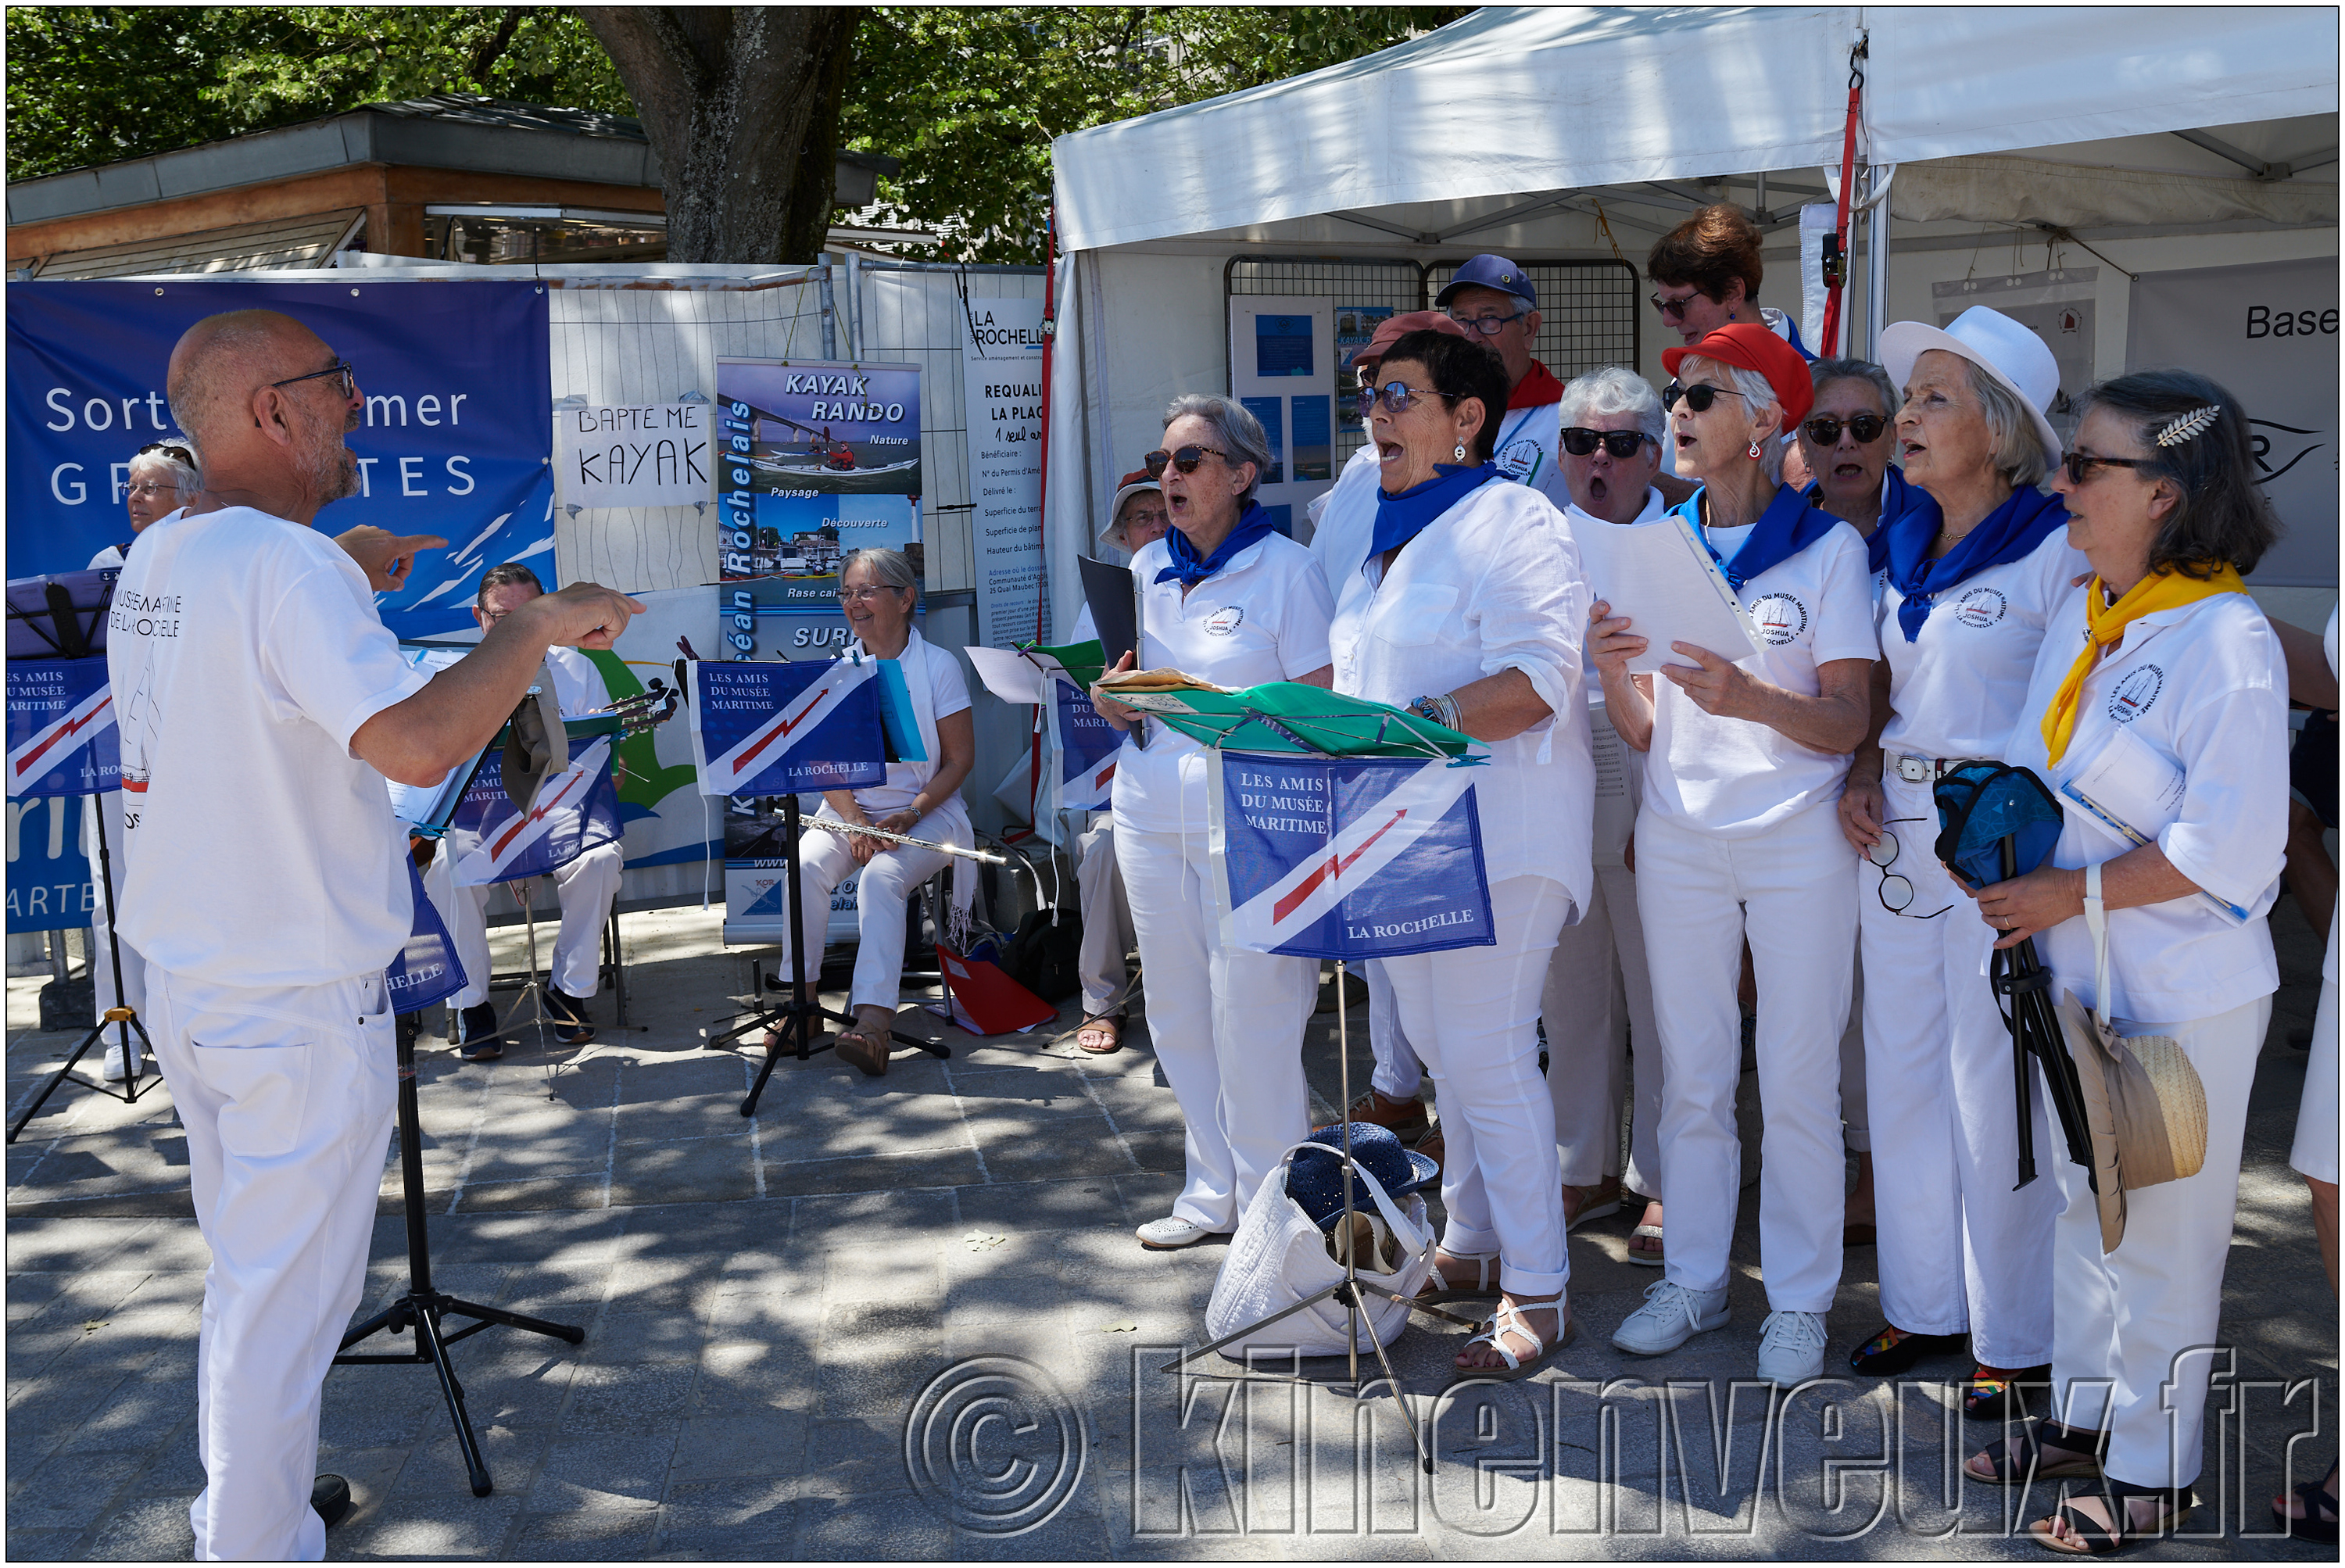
(2160, 591)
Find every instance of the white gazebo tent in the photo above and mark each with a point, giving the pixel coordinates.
(2028, 142)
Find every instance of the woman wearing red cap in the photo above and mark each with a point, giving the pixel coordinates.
(1738, 836)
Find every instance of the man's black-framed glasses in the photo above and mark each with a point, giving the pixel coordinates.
(338, 368)
(1581, 442)
(1897, 890)
(1488, 326)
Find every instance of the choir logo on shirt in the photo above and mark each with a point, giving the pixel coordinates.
(1225, 620)
(1981, 607)
(2135, 691)
(1780, 618)
(1519, 459)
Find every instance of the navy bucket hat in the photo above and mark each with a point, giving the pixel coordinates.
(1314, 1180)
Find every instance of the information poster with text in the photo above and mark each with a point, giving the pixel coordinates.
(1001, 363)
(1283, 357)
(815, 460)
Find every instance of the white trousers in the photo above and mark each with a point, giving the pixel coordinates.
(881, 895)
(1599, 999)
(2314, 1153)
(1855, 1120)
(287, 1096)
(1107, 920)
(1226, 1023)
(1791, 891)
(1473, 1011)
(585, 887)
(2134, 1332)
(1960, 1251)
(1398, 1074)
(101, 915)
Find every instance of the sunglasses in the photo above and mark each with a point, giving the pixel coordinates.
(1580, 441)
(341, 368)
(2080, 465)
(1896, 891)
(1488, 326)
(1674, 310)
(1698, 397)
(1185, 460)
(170, 449)
(1397, 396)
(1824, 430)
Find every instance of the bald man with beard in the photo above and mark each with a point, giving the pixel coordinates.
(265, 705)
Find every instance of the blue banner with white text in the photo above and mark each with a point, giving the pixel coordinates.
(62, 738)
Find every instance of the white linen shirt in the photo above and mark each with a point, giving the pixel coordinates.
(245, 651)
(1957, 691)
(1339, 541)
(1735, 777)
(1261, 617)
(1493, 584)
(2206, 687)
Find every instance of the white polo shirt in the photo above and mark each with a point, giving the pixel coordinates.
(1529, 450)
(245, 651)
(1261, 617)
(2205, 686)
(1956, 691)
(1734, 777)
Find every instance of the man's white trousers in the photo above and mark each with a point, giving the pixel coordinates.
(1791, 890)
(1961, 1252)
(1227, 1024)
(585, 887)
(1598, 999)
(101, 915)
(287, 1096)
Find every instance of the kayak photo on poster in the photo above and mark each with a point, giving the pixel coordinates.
(814, 460)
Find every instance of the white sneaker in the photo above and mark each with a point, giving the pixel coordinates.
(1670, 1316)
(1792, 1347)
(117, 1064)
(1172, 1233)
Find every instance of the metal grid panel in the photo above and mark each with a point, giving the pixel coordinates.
(1394, 283)
(1588, 313)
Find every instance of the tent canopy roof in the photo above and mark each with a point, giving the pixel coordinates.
(1512, 100)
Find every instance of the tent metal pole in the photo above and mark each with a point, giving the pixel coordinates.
(1876, 277)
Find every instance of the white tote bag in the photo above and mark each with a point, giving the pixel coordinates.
(1278, 1257)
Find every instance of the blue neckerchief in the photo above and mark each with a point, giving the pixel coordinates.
(1902, 542)
(1254, 524)
(1788, 526)
(1897, 498)
(1402, 517)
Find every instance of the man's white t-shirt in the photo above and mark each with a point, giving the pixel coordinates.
(578, 686)
(1261, 617)
(1956, 691)
(245, 651)
(1529, 449)
(1735, 777)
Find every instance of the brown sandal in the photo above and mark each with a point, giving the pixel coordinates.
(1109, 1025)
(866, 1048)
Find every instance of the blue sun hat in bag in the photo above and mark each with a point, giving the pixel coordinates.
(1314, 1180)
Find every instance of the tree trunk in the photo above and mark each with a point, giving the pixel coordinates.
(741, 103)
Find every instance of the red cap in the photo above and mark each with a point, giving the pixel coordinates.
(1751, 347)
(1393, 328)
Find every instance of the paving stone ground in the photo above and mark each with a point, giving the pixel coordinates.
(771, 1303)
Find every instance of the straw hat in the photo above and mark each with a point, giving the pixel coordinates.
(2010, 352)
(2145, 1108)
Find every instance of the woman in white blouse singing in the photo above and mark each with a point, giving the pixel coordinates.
(1225, 597)
(1468, 608)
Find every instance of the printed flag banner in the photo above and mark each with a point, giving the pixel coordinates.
(576, 811)
(61, 738)
(1345, 858)
(427, 969)
(780, 729)
(1086, 746)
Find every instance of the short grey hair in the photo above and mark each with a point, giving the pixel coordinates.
(892, 567)
(2018, 452)
(1849, 370)
(1237, 433)
(1758, 397)
(185, 480)
(1612, 390)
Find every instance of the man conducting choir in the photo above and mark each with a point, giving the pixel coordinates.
(263, 883)
(586, 884)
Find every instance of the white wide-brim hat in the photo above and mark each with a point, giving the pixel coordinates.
(2009, 352)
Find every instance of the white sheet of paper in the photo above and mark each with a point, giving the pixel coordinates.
(1011, 676)
(1661, 577)
(1616, 789)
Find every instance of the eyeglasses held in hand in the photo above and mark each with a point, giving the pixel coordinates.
(338, 368)
(1824, 430)
(1674, 310)
(1896, 891)
(1698, 397)
(1580, 441)
(1488, 326)
(1398, 396)
(2080, 464)
(1185, 460)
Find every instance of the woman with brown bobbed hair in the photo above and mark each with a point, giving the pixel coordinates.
(1706, 274)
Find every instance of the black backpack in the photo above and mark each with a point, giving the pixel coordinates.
(1042, 954)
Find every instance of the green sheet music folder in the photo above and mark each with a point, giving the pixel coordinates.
(1287, 716)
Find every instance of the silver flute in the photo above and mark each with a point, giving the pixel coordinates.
(844, 830)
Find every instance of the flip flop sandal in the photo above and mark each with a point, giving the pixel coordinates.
(1652, 1259)
(1485, 1280)
(1509, 1320)
(2022, 1458)
(1590, 1210)
(1110, 1024)
(2099, 1541)
(2001, 1396)
(2308, 1525)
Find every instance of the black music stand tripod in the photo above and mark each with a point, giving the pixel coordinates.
(124, 1019)
(424, 1305)
(795, 1021)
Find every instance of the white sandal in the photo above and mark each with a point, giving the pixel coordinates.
(1486, 1279)
(1509, 1320)
(1648, 1259)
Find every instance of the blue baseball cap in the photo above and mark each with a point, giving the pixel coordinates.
(1490, 272)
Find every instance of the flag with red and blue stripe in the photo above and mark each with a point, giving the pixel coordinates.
(62, 738)
(576, 810)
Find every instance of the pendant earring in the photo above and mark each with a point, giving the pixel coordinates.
(1754, 451)
(1458, 451)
